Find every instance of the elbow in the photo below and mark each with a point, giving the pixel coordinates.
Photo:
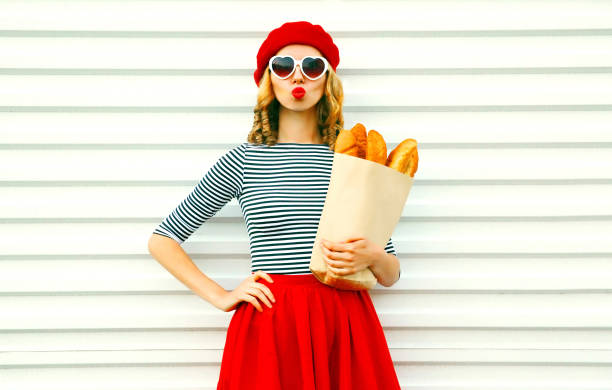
(389, 284)
(392, 284)
(397, 279)
(150, 243)
(153, 243)
(398, 275)
(384, 283)
(157, 239)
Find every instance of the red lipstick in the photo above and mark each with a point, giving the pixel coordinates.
(298, 92)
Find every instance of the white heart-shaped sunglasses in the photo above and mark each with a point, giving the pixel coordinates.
(313, 67)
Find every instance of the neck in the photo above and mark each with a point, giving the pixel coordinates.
(298, 126)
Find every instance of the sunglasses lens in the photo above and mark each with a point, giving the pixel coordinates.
(313, 67)
(282, 66)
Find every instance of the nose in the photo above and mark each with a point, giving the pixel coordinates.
(297, 75)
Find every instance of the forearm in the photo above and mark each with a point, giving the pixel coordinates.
(386, 269)
(174, 259)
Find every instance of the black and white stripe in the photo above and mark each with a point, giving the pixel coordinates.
(281, 190)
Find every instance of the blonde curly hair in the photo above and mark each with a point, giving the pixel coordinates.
(329, 112)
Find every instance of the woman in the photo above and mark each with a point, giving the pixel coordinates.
(307, 335)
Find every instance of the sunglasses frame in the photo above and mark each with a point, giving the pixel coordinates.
(295, 64)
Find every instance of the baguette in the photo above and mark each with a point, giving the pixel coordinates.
(356, 143)
(359, 132)
(377, 148)
(346, 144)
(404, 158)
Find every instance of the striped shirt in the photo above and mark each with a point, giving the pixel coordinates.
(281, 190)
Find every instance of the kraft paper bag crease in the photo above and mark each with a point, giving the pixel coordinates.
(364, 199)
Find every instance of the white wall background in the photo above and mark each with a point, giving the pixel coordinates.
(110, 111)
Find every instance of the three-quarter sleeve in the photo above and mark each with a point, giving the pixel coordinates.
(220, 184)
(390, 248)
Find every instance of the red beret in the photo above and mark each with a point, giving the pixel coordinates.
(301, 32)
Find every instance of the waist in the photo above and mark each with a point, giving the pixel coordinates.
(308, 279)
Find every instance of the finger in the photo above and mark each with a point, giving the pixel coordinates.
(331, 245)
(261, 274)
(251, 299)
(339, 248)
(268, 277)
(337, 264)
(331, 254)
(354, 239)
(262, 294)
(327, 258)
(335, 270)
(262, 297)
(343, 271)
(268, 292)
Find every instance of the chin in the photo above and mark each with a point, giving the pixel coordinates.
(299, 105)
(300, 108)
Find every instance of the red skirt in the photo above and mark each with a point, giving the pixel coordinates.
(314, 337)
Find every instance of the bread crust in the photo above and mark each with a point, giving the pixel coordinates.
(377, 148)
(404, 158)
(359, 132)
(346, 143)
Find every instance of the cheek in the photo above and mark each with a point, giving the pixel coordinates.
(278, 91)
(281, 88)
(319, 90)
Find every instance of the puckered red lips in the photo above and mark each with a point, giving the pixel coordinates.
(298, 92)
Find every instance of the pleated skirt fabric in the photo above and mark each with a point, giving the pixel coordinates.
(315, 337)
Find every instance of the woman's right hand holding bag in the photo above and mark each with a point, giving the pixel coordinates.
(249, 290)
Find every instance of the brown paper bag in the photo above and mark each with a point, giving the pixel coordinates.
(364, 199)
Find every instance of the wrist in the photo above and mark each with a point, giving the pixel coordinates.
(217, 296)
(386, 269)
(377, 260)
(375, 264)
